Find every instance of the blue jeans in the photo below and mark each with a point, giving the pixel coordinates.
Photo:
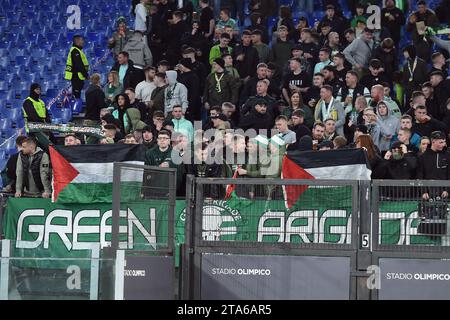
(305, 5)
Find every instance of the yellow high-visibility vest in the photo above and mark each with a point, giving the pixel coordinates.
(69, 73)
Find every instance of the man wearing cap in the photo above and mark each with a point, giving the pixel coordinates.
(220, 86)
(192, 83)
(119, 38)
(77, 66)
(376, 75)
(433, 164)
(398, 163)
(258, 117)
(359, 51)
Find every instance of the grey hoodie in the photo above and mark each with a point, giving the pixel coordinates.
(174, 94)
(358, 52)
(139, 52)
(388, 126)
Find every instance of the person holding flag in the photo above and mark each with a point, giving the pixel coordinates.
(77, 66)
(277, 148)
(257, 160)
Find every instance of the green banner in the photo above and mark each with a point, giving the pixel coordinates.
(40, 228)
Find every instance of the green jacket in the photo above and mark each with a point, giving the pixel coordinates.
(135, 122)
(229, 90)
(216, 53)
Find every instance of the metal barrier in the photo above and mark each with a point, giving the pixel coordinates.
(145, 197)
(251, 246)
(410, 240)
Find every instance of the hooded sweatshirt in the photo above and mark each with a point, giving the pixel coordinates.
(139, 52)
(28, 106)
(119, 113)
(134, 120)
(174, 94)
(388, 127)
(359, 52)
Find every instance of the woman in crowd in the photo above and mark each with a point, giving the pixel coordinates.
(365, 141)
(112, 88)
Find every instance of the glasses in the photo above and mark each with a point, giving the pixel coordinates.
(163, 138)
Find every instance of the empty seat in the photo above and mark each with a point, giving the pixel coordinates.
(5, 124)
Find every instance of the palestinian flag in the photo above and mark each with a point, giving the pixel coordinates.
(84, 173)
(343, 164)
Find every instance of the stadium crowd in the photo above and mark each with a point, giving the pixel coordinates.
(339, 83)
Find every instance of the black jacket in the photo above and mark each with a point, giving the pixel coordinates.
(425, 129)
(192, 83)
(77, 64)
(246, 67)
(32, 115)
(434, 165)
(133, 75)
(256, 120)
(249, 105)
(404, 169)
(95, 100)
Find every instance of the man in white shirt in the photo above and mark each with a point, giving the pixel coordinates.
(145, 88)
(140, 23)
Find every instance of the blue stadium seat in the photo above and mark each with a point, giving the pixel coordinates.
(76, 105)
(15, 114)
(66, 115)
(5, 124)
(10, 145)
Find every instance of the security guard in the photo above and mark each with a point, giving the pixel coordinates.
(33, 107)
(34, 110)
(77, 66)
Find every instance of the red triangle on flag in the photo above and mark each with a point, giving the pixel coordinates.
(291, 170)
(63, 172)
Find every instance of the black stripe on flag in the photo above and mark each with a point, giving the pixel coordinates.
(329, 158)
(106, 153)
